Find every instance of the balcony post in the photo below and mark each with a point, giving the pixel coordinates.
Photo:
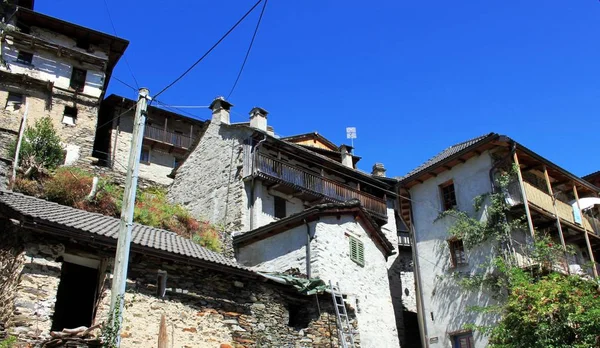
(165, 134)
(587, 238)
(524, 194)
(551, 193)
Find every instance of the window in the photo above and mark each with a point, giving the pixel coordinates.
(161, 284)
(69, 116)
(448, 195)
(14, 101)
(25, 57)
(145, 156)
(83, 43)
(279, 210)
(78, 79)
(464, 340)
(457, 252)
(357, 251)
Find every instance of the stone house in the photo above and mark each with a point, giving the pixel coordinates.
(168, 137)
(246, 179)
(55, 273)
(554, 202)
(54, 68)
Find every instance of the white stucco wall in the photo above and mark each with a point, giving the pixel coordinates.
(264, 206)
(47, 66)
(443, 299)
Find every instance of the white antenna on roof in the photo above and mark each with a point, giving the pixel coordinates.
(351, 134)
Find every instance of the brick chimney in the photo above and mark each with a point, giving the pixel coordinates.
(220, 110)
(346, 156)
(378, 170)
(258, 118)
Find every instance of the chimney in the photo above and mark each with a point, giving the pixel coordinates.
(220, 110)
(378, 170)
(346, 156)
(258, 118)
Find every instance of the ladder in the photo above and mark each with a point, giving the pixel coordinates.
(345, 331)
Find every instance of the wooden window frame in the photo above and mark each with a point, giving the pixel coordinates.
(448, 195)
(25, 57)
(279, 207)
(455, 245)
(74, 83)
(456, 337)
(357, 251)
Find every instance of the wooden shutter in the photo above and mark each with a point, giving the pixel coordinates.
(357, 251)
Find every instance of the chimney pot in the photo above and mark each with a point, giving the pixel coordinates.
(220, 110)
(378, 170)
(346, 156)
(258, 118)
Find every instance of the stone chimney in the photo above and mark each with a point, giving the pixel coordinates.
(258, 118)
(346, 156)
(220, 110)
(378, 170)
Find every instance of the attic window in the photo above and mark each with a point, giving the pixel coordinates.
(448, 195)
(69, 116)
(357, 251)
(14, 101)
(279, 207)
(25, 57)
(78, 79)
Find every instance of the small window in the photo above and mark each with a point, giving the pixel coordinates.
(14, 101)
(457, 252)
(279, 210)
(78, 79)
(448, 195)
(83, 43)
(145, 156)
(69, 116)
(161, 284)
(464, 340)
(25, 57)
(357, 251)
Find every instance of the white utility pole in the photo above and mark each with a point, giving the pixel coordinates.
(18, 149)
(122, 256)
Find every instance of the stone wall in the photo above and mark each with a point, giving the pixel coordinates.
(203, 308)
(209, 183)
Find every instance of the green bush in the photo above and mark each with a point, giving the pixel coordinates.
(40, 148)
(68, 186)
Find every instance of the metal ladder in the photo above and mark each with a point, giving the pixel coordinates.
(346, 333)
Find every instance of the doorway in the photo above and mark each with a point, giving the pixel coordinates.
(75, 297)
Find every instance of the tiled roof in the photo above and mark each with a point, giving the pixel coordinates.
(591, 175)
(100, 225)
(445, 154)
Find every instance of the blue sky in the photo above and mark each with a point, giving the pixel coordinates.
(412, 76)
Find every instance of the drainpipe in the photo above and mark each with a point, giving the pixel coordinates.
(252, 183)
(308, 240)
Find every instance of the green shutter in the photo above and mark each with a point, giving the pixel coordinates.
(357, 251)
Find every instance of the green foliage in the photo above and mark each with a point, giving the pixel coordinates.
(109, 332)
(68, 186)
(8, 342)
(40, 147)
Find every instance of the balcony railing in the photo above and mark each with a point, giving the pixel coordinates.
(167, 137)
(318, 185)
(404, 239)
(543, 200)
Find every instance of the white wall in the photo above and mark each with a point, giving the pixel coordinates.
(264, 206)
(443, 298)
(47, 66)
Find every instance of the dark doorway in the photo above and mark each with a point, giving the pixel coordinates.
(75, 297)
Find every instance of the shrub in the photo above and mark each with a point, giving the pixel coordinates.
(68, 186)
(40, 148)
(28, 187)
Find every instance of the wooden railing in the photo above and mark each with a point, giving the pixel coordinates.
(404, 239)
(168, 137)
(543, 200)
(318, 184)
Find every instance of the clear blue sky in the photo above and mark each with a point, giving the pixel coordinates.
(413, 76)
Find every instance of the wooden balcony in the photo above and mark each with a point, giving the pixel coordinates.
(168, 138)
(543, 200)
(309, 185)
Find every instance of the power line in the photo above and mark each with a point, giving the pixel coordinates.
(210, 50)
(124, 56)
(249, 48)
(114, 118)
(125, 83)
(170, 107)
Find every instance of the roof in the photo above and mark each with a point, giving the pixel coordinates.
(80, 224)
(593, 175)
(314, 136)
(311, 214)
(447, 153)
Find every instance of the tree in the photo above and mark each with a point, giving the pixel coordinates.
(538, 306)
(40, 149)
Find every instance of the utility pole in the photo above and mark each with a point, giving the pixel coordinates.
(126, 224)
(19, 141)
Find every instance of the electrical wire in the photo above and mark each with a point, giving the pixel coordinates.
(125, 83)
(209, 50)
(175, 108)
(124, 56)
(237, 79)
(114, 118)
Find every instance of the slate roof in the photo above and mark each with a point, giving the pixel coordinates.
(446, 153)
(98, 225)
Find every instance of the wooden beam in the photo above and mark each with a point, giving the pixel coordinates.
(587, 238)
(461, 160)
(433, 174)
(551, 193)
(447, 167)
(477, 152)
(524, 194)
